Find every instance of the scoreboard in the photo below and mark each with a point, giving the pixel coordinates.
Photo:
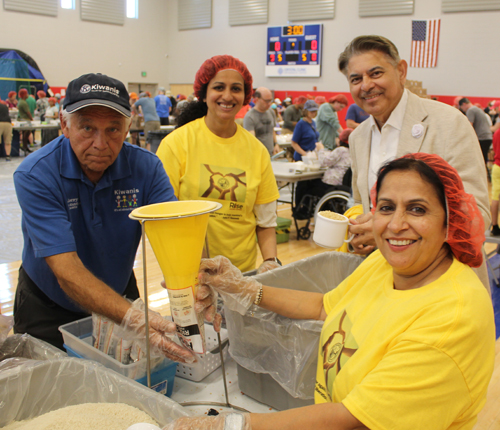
(294, 51)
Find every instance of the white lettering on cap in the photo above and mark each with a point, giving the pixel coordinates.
(86, 88)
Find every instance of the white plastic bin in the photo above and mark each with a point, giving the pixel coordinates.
(77, 338)
(209, 361)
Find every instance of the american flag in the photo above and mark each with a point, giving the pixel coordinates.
(425, 43)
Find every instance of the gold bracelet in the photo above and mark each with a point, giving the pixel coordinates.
(258, 299)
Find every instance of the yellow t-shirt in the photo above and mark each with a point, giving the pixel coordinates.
(415, 359)
(236, 172)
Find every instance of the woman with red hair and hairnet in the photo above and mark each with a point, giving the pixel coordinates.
(408, 339)
(42, 104)
(211, 157)
(328, 121)
(11, 100)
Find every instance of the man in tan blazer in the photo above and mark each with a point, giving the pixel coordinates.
(401, 123)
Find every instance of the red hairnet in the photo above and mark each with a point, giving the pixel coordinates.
(339, 98)
(214, 65)
(465, 225)
(299, 100)
(12, 94)
(41, 94)
(53, 100)
(320, 100)
(344, 136)
(23, 92)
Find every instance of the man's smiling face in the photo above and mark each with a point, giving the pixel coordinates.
(376, 84)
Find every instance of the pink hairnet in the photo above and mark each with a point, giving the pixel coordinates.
(465, 223)
(214, 65)
(41, 94)
(12, 94)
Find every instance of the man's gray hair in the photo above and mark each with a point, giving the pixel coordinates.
(363, 44)
(66, 116)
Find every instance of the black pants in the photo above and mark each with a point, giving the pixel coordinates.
(164, 121)
(485, 147)
(40, 317)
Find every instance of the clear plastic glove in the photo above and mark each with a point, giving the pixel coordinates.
(237, 292)
(208, 305)
(266, 266)
(159, 328)
(224, 421)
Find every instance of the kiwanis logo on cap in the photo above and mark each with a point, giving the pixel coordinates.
(86, 88)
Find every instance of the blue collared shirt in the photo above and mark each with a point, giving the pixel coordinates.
(64, 212)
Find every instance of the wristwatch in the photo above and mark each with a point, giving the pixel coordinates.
(275, 259)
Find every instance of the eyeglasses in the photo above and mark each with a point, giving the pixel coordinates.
(268, 100)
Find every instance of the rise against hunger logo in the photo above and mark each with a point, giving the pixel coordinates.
(223, 183)
(336, 351)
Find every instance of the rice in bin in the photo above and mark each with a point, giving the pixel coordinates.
(87, 416)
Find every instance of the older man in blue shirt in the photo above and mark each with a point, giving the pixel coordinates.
(76, 194)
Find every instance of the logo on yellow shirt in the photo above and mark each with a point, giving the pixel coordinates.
(337, 348)
(223, 183)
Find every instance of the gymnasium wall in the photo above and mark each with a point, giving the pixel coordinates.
(65, 47)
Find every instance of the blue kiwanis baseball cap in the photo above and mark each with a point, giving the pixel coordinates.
(96, 89)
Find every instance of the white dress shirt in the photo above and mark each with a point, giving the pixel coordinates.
(384, 145)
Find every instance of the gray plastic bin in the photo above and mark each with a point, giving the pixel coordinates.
(277, 356)
(155, 137)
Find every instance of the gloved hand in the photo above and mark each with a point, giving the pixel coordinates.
(224, 421)
(266, 266)
(208, 305)
(237, 291)
(135, 321)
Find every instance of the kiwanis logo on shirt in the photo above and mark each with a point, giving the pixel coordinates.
(126, 200)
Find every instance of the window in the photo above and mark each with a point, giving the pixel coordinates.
(133, 9)
(68, 4)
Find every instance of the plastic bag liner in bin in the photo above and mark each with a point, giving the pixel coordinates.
(155, 137)
(34, 388)
(284, 348)
(26, 346)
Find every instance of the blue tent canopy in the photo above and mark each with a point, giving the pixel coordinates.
(18, 70)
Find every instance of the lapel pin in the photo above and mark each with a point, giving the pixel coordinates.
(417, 130)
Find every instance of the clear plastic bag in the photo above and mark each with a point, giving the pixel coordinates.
(6, 324)
(284, 348)
(34, 387)
(26, 346)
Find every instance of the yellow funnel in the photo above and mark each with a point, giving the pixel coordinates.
(176, 231)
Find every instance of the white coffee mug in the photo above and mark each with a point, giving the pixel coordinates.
(330, 233)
